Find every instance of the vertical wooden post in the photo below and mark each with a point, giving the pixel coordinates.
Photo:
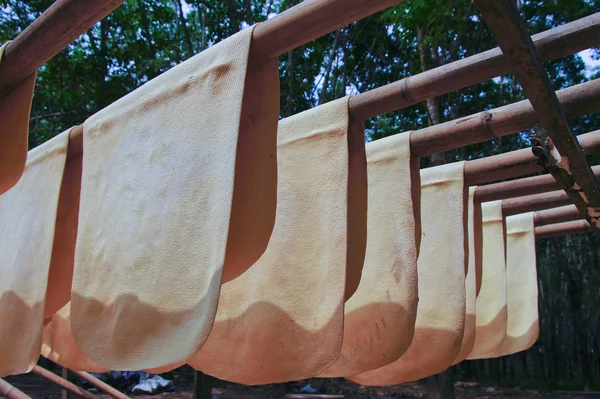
(202, 385)
(64, 394)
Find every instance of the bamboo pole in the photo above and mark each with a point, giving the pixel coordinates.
(10, 392)
(49, 34)
(532, 203)
(52, 32)
(61, 382)
(561, 214)
(562, 229)
(520, 187)
(578, 100)
(555, 43)
(569, 167)
(307, 21)
(101, 385)
(65, 20)
(519, 162)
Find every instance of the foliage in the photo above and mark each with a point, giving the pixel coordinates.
(142, 39)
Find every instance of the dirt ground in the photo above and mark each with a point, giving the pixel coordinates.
(37, 387)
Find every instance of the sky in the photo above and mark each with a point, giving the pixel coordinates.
(592, 66)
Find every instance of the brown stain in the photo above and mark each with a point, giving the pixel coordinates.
(426, 357)
(20, 334)
(377, 340)
(129, 334)
(250, 349)
(216, 77)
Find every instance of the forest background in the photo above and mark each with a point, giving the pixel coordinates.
(142, 39)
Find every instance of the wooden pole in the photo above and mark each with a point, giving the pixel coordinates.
(307, 21)
(65, 20)
(101, 385)
(555, 43)
(468, 130)
(202, 385)
(532, 203)
(10, 392)
(519, 162)
(557, 215)
(562, 229)
(49, 34)
(520, 187)
(578, 100)
(569, 167)
(50, 376)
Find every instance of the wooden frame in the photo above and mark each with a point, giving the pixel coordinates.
(561, 214)
(578, 100)
(48, 35)
(536, 202)
(569, 167)
(562, 229)
(554, 43)
(519, 162)
(520, 187)
(65, 20)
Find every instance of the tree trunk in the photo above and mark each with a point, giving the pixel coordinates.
(434, 109)
(440, 386)
(331, 58)
(574, 280)
(203, 26)
(184, 27)
(289, 105)
(538, 369)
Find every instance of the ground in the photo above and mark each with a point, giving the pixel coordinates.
(36, 387)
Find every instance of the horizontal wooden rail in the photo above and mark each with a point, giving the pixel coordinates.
(65, 20)
(61, 382)
(48, 35)
(578, 100)
(536, 202)
(520, 187)
(561, 214)
(570, 166)
(10, 392)
(307, 21)
(519, 162)
(555, 43)
(562, 229)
